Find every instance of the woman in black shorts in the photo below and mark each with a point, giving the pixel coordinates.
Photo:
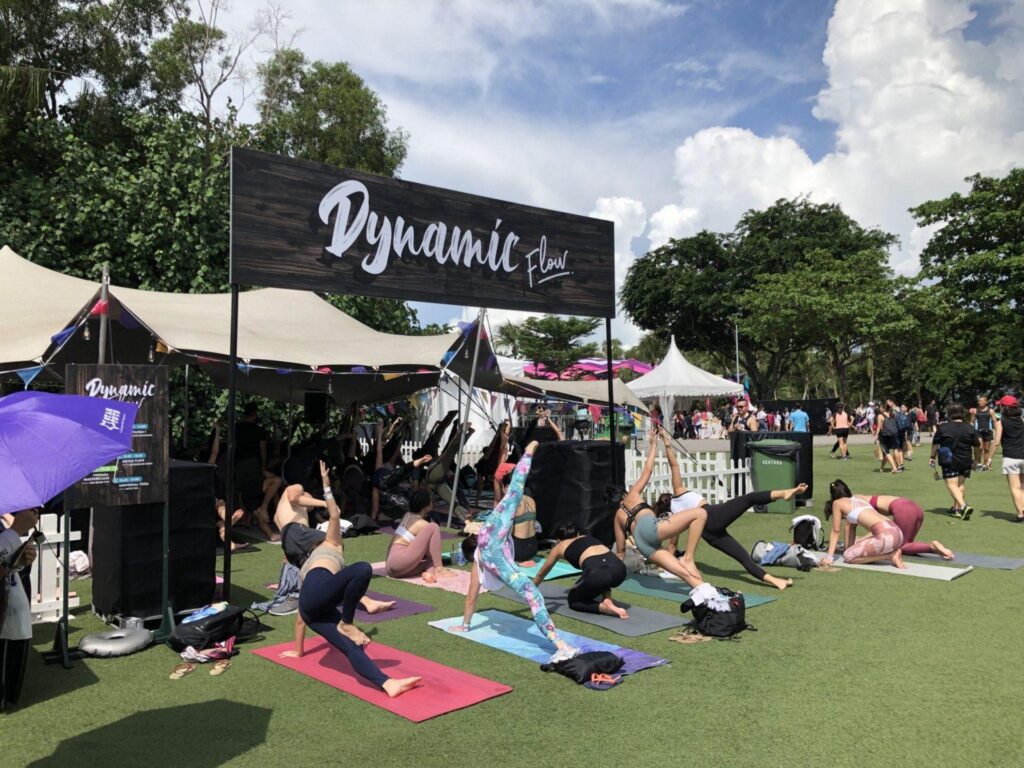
(602, 571)
(840, 424)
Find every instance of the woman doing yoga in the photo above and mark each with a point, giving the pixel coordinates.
(720, 517)
(602, 571)
(325, 582)
(906, 514)
(635, 516)
(493, 563)
(416, 544)
(883, 544)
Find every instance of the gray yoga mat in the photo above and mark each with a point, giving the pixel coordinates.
(641, 621)
(969, 558)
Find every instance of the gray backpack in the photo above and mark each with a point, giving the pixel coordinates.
(795, 556)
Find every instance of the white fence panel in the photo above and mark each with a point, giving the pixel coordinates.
(46, 572)
(710, 473)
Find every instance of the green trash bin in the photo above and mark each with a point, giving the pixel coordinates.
(773, 467)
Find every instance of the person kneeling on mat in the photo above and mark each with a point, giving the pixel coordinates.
(906, 514)
(602, 571)
(720, 517)
(416, 545)
(494, 566)
(325, 583)
(883, 544)
(635, 516)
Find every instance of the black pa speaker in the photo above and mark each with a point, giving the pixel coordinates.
(316, 407)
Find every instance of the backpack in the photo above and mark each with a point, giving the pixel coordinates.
(902, 421)
(210, 630)
(794, 556)
(889, 428)
(807, 532)
(721, 624)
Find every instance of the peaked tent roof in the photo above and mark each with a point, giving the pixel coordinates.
(675, 376)
(589, 392)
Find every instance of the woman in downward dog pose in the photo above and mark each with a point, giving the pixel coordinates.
(324, 583)
(883, 544)
(906, 514)
(494, 566)
(602, 571)
(720, 517)
(635, 516)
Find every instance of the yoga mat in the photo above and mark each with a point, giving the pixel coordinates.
(677, 591)
(969, 558)
(442, 690)
(520, 637)
(937, 572)
(640, 622)
(457, 580)
(560, 570)
(401, 609)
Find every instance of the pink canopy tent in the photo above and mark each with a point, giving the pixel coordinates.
(588, 369)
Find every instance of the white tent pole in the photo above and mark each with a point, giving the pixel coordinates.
(465, 419)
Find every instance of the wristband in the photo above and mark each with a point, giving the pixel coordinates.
(328, 496)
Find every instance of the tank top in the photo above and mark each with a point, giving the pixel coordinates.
(842, 420)
(317, 556)
(983, 420)
(575, 550)
(859, 506)
(1013, 437)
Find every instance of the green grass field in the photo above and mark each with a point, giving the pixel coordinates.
(848, 669)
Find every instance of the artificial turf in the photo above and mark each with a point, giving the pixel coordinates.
(847, 669)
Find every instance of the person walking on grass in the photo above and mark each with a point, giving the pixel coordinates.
(953, 447)
(984, 421)
(839, 425)
(1009, 433)
(887, 436)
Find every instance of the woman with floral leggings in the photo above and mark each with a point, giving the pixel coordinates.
(493, 564)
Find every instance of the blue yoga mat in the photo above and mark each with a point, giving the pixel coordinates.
(520, 637)
(677, 591)
(560, 570)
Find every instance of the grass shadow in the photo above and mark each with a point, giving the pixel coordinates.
(999, 515)
(148, 738)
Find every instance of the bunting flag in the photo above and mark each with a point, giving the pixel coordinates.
(448, 356)
(324, 369)
(283, 371)
(27, 375)
(161, 348)
(101, 307)
(490, 363)
(128, 320)
(392, 376)
(244, 368)
(358, 369)
(59, 338)
(466, 328)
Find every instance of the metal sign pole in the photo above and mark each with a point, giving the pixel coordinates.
(465, 419)
(613, 434)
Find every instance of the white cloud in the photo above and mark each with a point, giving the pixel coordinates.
(917, 108)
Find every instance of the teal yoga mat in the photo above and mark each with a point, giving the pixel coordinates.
(560, 570)
(677, 591)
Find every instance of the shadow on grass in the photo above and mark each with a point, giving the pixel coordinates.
(43, 681)
(219, 731)
(1000, 515)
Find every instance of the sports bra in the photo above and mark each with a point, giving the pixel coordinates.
(632, 514)
(854, 514)
(575, 550)
(321, 553)
(684, 501)
(529, 515)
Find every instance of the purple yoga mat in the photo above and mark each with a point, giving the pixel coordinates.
(402, 609)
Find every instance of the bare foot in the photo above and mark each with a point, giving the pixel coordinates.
(779, 584)
(897, 559)
(429, 576)
(690, 567)
(947, 554)
(353, 633)
(609, 608)
(376, 606)
(395, 688)
(238, 513)
(789, 493)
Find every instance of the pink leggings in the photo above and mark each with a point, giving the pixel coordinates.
(908, 517)
(885, 539)
(408, 560)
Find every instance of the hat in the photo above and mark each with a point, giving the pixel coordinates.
(1007, 400)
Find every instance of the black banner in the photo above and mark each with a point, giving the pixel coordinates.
(309, 226)
(139, 476)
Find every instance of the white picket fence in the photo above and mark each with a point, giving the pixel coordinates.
(469, 457)
(710, 473)
(46, 572)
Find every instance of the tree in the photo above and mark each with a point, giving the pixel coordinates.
(508, 339)
(618, 352)
(650, 349)
(555, 342)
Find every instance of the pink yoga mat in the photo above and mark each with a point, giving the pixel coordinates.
(442, 689)
(402, 609)
(457, 581)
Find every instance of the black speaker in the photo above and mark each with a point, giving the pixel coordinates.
(315, 407)
(739, 449)
(128, 548)
(569, 482)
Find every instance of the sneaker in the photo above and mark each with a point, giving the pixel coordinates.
(563, 655)
(954, 512)
(968, 510)
(286, 607)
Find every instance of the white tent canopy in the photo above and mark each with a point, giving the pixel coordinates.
(675, 376)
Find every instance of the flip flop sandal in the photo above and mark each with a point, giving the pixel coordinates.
(689, 637)
(181, 670)
(826, 568)
(220, 667)
(602, 682)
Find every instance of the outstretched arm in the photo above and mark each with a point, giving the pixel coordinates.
(645, 475)
(300, 639)
(549, 562)
(471, 596)
(673, 464)
(334, 521)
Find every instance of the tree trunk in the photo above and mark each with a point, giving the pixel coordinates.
(870, 364)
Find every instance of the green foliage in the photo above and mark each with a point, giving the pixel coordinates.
(650, 349)
(556, 342)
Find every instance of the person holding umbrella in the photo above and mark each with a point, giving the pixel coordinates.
(15, 610)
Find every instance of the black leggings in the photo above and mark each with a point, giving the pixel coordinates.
(721, 516)
(600, 574)
(319, 597)
(13, 659)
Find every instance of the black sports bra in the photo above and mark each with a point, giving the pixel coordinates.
(632, 514)
(575, 550)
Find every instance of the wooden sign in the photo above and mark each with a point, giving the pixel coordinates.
(309, 226)
(139, 476)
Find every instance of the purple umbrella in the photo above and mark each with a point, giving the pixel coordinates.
(50, 442)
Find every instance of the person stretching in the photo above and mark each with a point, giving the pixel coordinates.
(325, 583)
(907, 515)
(720, 517)
(415, 542)
(602, 571)
(883, 544)
(494, 566)
(635, 516)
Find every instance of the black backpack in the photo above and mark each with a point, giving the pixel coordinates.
(721, 624)
(808, 535)
(208, 631)
(889, 428)
(902, 421)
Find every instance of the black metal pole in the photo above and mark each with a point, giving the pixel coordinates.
(229, 502)
(611, 400)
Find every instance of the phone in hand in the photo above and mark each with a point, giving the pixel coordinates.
(37, 537)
